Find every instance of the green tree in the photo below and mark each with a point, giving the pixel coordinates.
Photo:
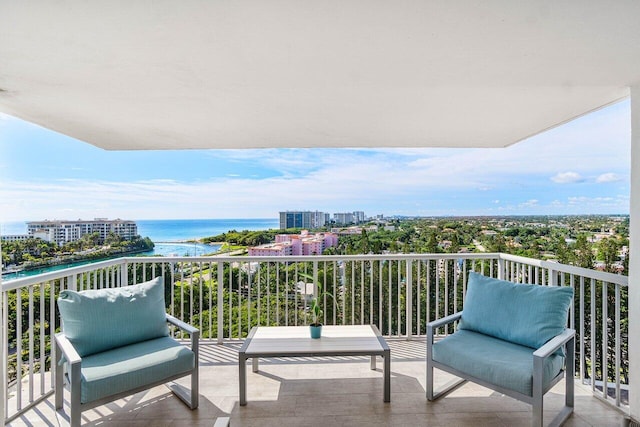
(583, 252)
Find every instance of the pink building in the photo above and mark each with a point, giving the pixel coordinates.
(270, 250)
(304, 243)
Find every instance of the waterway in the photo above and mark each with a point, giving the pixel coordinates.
(176, 237)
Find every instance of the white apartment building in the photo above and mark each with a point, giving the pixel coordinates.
(62, 231)
(15, 237)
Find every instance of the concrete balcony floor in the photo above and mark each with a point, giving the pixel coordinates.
(339, 391)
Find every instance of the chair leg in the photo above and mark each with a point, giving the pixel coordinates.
(538, 403)
(195, 347)
(569, 387)
(59, 378)
(195, 394)
(538, 397)
(429, 381)
(570, 374)
(75, 413)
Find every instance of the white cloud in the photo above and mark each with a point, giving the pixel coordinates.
(608, 177)
(529, 204)
(376, 180)
(567, 178)
(614, 204)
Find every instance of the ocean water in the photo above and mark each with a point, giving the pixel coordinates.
(179, 230)
(169, 235)
(175, 230)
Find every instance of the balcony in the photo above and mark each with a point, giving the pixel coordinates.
(398, 293)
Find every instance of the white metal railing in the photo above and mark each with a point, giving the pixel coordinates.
(226, 296)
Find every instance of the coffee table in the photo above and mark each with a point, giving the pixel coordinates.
(295, 341)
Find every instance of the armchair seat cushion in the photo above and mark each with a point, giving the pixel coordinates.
(493, 360)
(132, 366)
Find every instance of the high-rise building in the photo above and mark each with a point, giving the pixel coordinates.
(62, 232)
(343, 218)
(358, 217)
(302, 219)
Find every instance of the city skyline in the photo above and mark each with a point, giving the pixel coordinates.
(581, 167)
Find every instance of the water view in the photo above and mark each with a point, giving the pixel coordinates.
(171, 237)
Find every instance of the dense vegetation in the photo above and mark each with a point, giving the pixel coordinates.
(585, 241)
(248, 238)
(33, 253)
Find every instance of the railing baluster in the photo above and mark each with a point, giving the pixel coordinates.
(172, 285)
(42, 354)
(353, 293)
(19, 349)
(446, 288)
(200, 296)
(399, 298)
(182, 304)
(408, 289)
(4, 338)
(31, 343)
(53, 323)
(389, 290)
(241, 302)
(335, 286)
(605, 342)
(437, 277)
(371, 292)
(583, 357)
(617, 344)
(593, 334)
(278, 302)
(286, 307)
(268, 282)
(428, 317)
(418, 299)
(230, 313)
(362, 299)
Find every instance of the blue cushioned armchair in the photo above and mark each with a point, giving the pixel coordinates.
(115, 342)
(511, 338)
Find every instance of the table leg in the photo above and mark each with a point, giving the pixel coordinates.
(254, 364)
(242, 364)
(387, 375)
(373, 363)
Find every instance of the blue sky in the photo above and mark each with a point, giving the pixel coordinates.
(581, 167)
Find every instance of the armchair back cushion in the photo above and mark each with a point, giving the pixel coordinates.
(528, 315)
(99, 320)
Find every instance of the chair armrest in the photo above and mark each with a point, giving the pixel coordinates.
(182, 325)
(432, 326)
(68, 351)
(554, 344)
(193, 332)
(444, 321)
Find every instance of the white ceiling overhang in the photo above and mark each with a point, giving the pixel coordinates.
(178, 74)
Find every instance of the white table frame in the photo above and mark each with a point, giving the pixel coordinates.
(295, 341)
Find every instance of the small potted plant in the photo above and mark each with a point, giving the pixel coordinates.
(316, 312)
(315, 309)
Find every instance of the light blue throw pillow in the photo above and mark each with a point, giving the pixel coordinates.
(99, 320)
(528, 315)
